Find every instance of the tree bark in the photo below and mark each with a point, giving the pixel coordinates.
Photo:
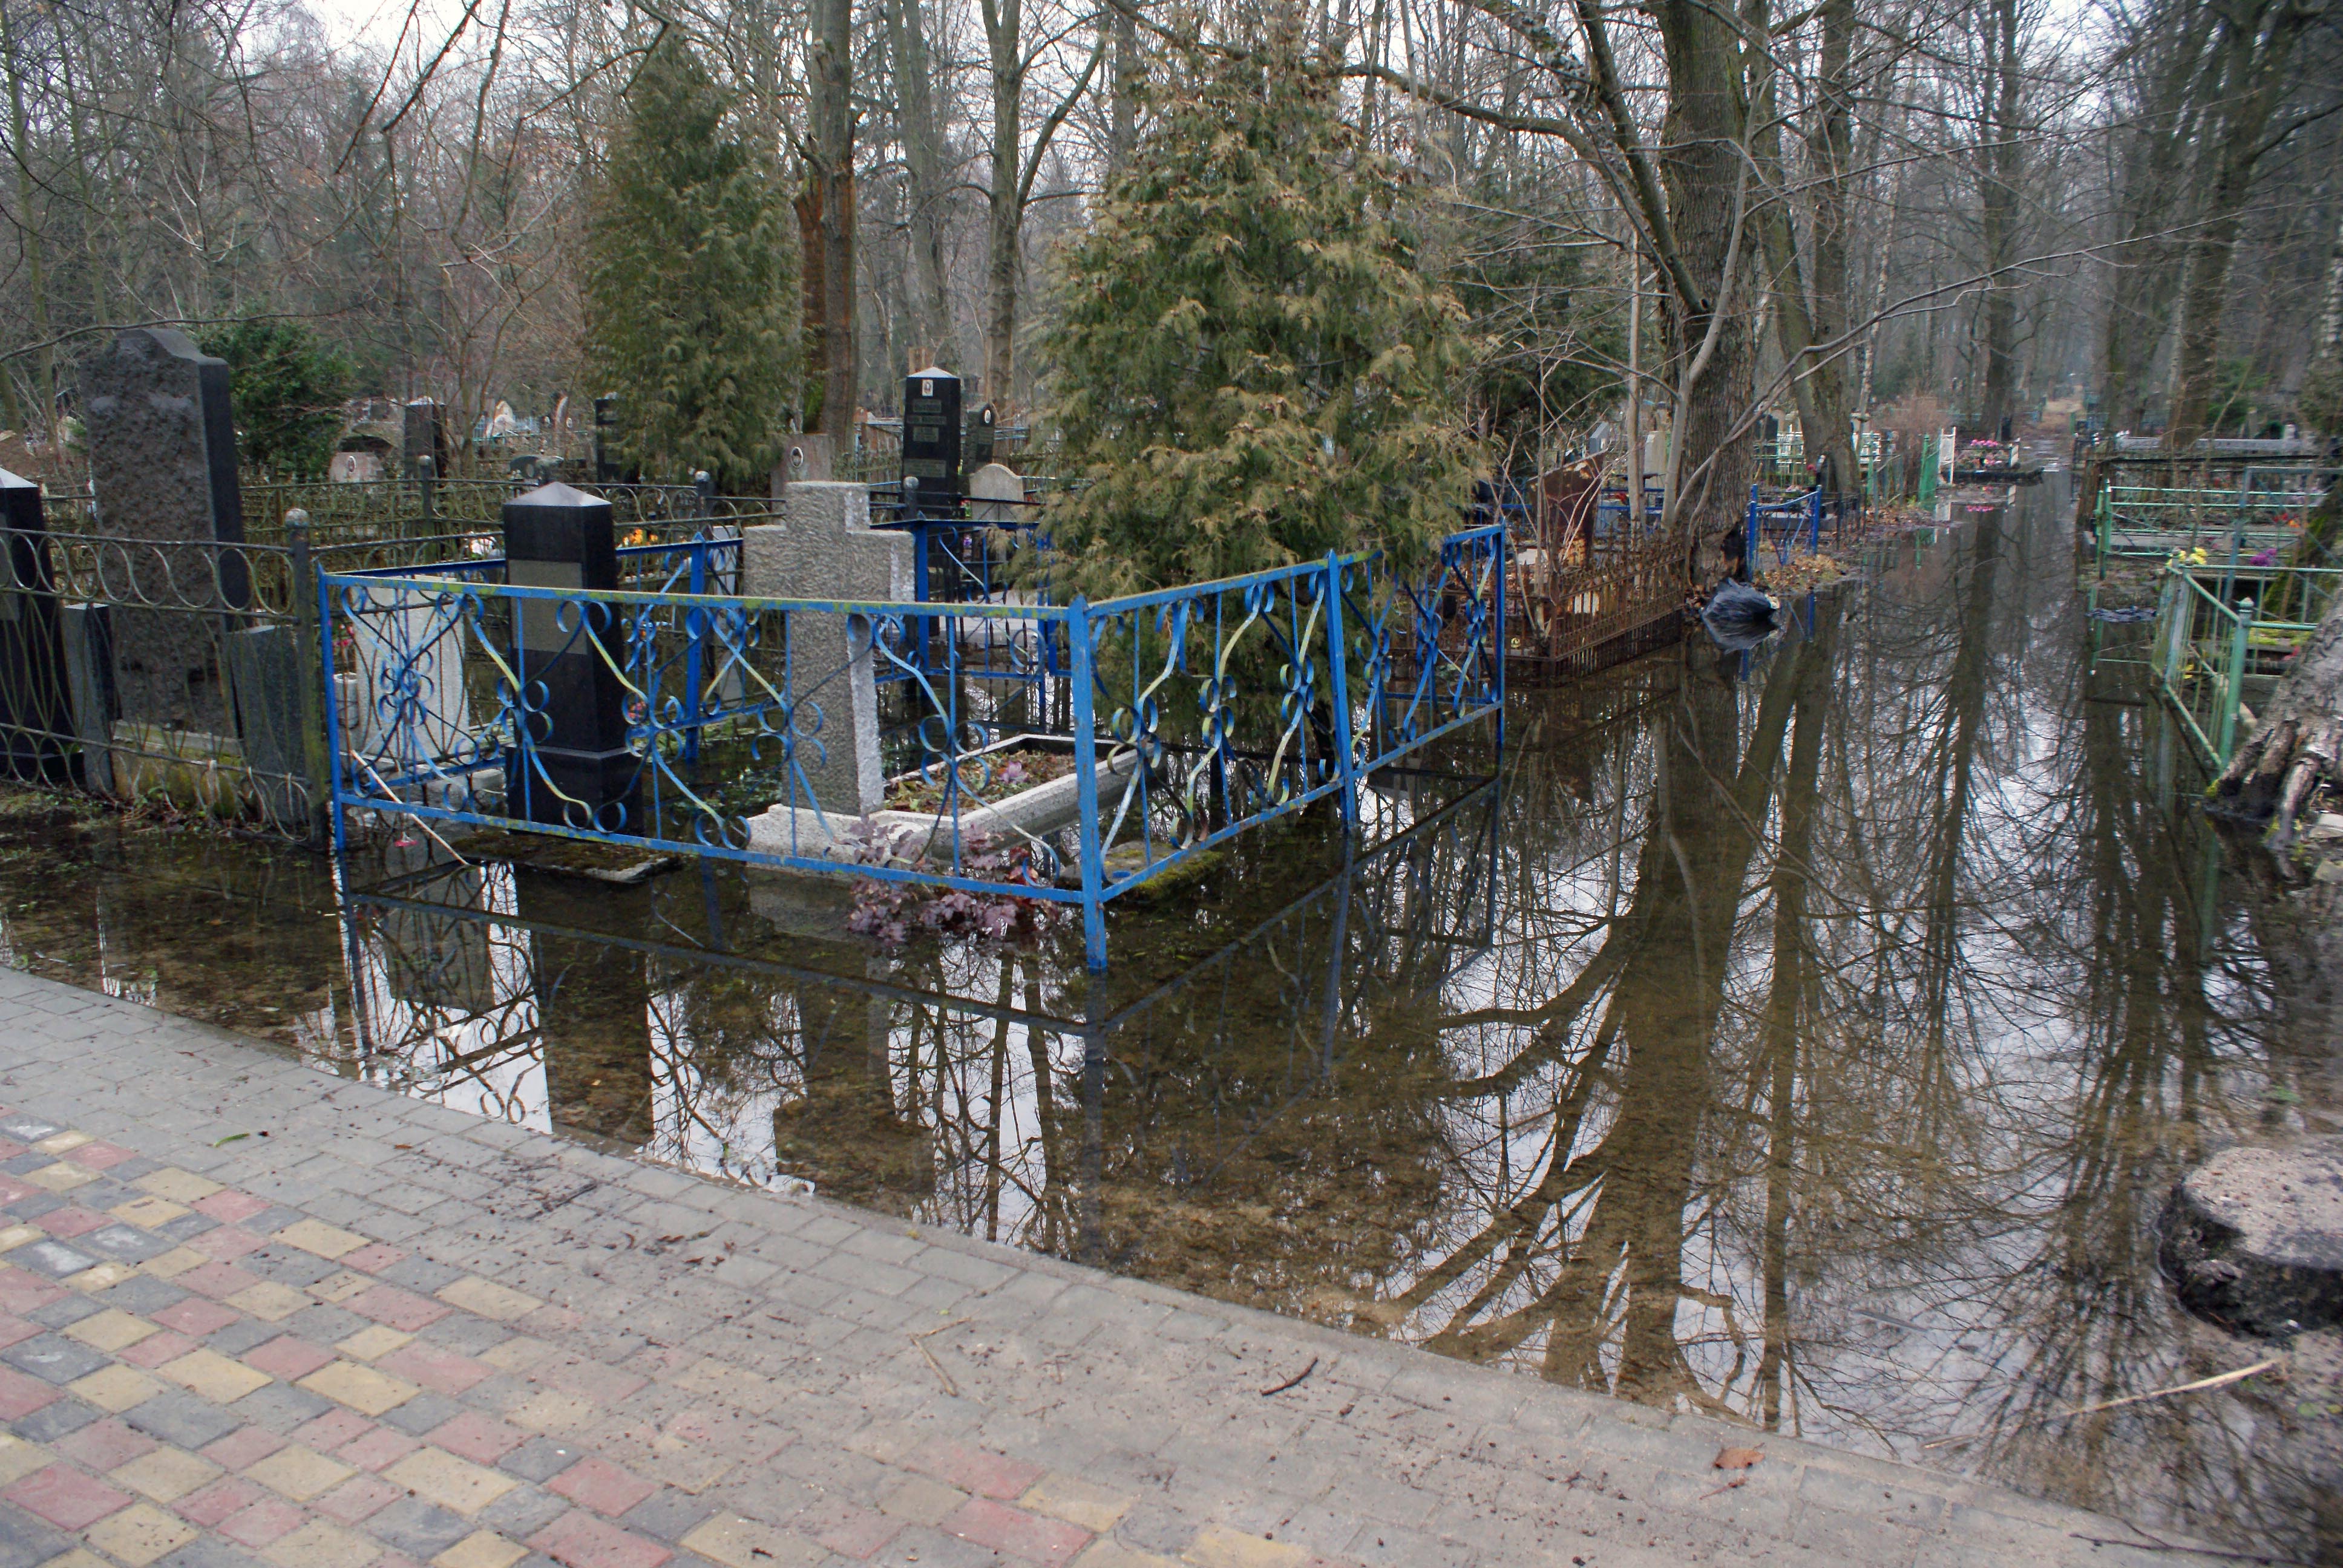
(2255, 45)
(826, 223)
(2294, 747)
(2001, 164)
(1005, 210)
(924, 185)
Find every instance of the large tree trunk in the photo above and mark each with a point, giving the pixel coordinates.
(924, 186)
(1005, 214)
(826, 223)
(2255, 47)
(1997, 213)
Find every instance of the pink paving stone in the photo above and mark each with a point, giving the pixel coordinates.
(478, 1438)
(13, 1190)
(20, 1291)
(857, 1532)
(103, 1444)
(227, 1243)
(358, 1496)
(1051, 1541)
(287, 1357)
(974, 1470)
(332, 1430)
(366, 1260)
(208, 1505)
(261, 1522)
(20, 1395)
(227, 1205)
(197, 1317)
(15, 1331)
(216, 1279)
(582, 1541)
(600, 1486)
(401, 1310)
(72, 1221)
(442, 1371)
(240, 1449)
(65, 1497)
(100, 1156)
(156, 1349)
(383, 1445)
(9, 1147)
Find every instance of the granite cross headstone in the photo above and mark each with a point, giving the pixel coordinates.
(825, 548)
(162, 463)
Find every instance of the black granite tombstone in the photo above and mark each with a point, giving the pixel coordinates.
(35, 719)
(423, 434)
(560, 537)
(980, 441)
(932, 437)
(162, 462)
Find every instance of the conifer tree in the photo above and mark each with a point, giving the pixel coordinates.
(692, 282)
(1250, 368)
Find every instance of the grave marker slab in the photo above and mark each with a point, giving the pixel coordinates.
(931, 435)
(560, 537)
(34, 716)
(162, 462)
(826, 549)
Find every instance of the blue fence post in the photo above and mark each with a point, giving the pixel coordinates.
(333, 708)
(695, 625)
(1497, 615)
(1750, 528)
(1085, 728)
(1814, 524)
(1338, 665)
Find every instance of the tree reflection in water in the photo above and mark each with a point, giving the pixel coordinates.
(1809, 1039)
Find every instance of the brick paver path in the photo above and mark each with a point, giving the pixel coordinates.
(252, 1314)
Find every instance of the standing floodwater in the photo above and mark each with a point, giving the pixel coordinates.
(1808, 1037)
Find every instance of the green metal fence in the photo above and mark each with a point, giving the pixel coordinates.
(2215, 653)
(2144, 522)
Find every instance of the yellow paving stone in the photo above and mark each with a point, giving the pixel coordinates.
(489, 1299)
(1076, 1502)
(517, 1354)
(318, 1545)
(15, 1236)
(112, 1329)
(299, 1473)
(481, 1549)
(922, 1500)
(179, 1186)
(440, 1477)
(270, 1302)
(551, 1411)
(167, 1474)
(60, 1177)
(687, 1466)
(739, 1543)
(371, 1342)
(117, 1388)
(173, 1264)
(341, 1287)
(1115, 1554)
(104, 1277)
(324, 1240)
(1217, 1546)
(213, 1376)
(363, 1389)
(64, 1142)
(19, 1459)
(139, 1533)
(147, 1213)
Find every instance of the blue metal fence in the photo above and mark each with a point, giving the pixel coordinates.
(1189, 716)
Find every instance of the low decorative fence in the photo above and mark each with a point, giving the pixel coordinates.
(1808, 522)
(869, 738)
(2223, 638)
(2146, 522)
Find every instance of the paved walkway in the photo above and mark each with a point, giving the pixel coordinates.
(252, 1314)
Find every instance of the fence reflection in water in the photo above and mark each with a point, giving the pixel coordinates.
(1189, 715)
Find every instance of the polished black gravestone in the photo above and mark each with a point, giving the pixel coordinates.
(932, 437)
(560, 537)
(162, 463)
(423, 434)
(36, 720)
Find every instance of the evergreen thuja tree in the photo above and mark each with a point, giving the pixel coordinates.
(1250, 368)
(288, 389)
(691, 286)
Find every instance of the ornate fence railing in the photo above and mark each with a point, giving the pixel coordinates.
(2147, 522)
(2221, 635)
(827, 736)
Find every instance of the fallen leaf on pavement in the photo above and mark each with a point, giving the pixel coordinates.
(1739, 1458)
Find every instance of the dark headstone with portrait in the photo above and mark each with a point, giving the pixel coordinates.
(932, 437)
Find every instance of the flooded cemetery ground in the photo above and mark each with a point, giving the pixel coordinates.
(1808, 1037)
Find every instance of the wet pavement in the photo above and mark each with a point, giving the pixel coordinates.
(1806, 1039)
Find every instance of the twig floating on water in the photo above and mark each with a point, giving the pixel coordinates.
(1296, 1377)
(2157, 1544)
(2219, 1381)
